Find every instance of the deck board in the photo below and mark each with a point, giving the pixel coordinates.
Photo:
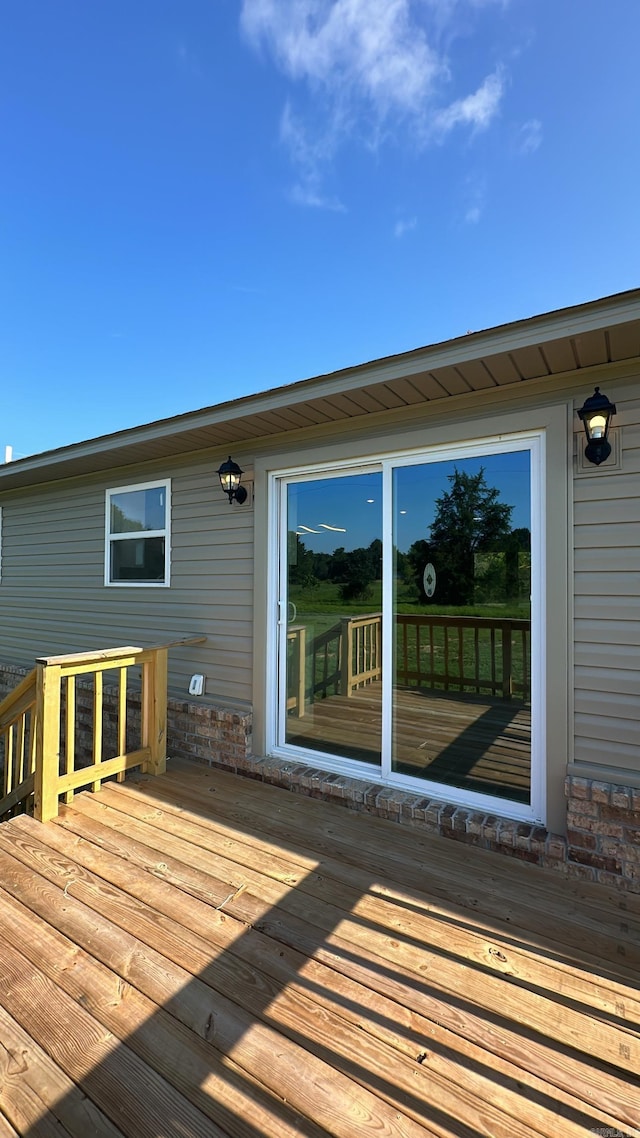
(453, 738)
(242, 961)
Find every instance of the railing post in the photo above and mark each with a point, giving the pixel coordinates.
(155, 710)
(346, 657)
(47, 716)
(296, 669)
(507, 664)
(301, 670)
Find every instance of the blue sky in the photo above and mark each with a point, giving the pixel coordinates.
(328, 513)
(206, 198)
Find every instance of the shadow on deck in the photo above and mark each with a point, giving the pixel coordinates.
(200, 955)
(482, 745)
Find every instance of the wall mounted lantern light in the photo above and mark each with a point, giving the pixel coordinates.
(596, 416)
(230, 474)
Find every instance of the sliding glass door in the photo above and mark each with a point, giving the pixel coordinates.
(461, 619)
(331, 615)
(405, 621)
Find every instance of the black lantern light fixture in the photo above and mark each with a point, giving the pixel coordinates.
(230, 474)
(596, 418)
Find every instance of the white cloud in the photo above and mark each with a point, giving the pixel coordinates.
(309, 156)
(365, 71)
(475, 110)
(302, 193)
(529, 137)
(401, 227)
(368, 47)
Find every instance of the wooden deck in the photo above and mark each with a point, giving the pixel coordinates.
(197, 955)
(481, 744)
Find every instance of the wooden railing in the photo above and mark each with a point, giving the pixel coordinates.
(39, 724)
(476, 654)
(361, 655)
(336, 662)
(296, 668)
(17, 731)
(481, 655)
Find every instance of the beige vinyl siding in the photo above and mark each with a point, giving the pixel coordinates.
(607, 602)
(53, 598)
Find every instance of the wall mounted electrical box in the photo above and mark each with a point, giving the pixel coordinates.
(196, 685)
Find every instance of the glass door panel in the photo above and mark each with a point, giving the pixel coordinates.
(331, 696)
(461, 705)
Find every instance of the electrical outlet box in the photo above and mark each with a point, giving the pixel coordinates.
(196, 685)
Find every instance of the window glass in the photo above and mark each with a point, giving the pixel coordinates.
(138, 510)
(141, 560)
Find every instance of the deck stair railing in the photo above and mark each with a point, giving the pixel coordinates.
(17, 729)
(41, 722)
(476, 655)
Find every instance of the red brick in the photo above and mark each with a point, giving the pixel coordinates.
(476, 824)
(607, 829)
(600, 792)
(507, 832)
(556, 848)
(582, 872)
(579, 788)
(594, 860)
(621, 797)
(579, 838)
(615, 814)
(578, 806)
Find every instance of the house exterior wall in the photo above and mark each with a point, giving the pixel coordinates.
(53, 600)
(607, 604)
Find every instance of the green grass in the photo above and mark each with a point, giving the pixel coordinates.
(322, 600)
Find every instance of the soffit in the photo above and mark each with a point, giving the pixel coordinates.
(575, 339)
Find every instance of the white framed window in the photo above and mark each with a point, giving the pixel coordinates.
(138, 535)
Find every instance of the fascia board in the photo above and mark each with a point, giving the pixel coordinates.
(535, 330)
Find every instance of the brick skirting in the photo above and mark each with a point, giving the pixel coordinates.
(603, 837)
(603, 819)
(603, 829)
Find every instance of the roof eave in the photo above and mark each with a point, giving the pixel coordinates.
(562, 324)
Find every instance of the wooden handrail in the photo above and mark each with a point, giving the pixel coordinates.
(18, 700)
(115, 653)
(39, 725)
